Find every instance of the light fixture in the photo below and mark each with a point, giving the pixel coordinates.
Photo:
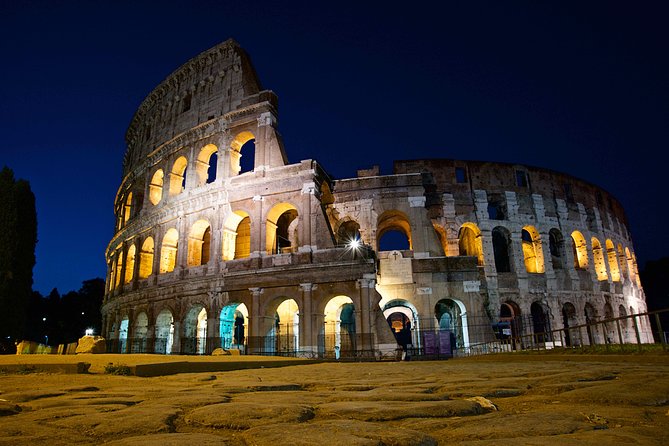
(89, 332)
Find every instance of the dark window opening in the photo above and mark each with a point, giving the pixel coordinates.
(460, 175)
(211, 172)
(247, 161)
(392, 240)
(500, 244)
(521, 178)
(495, 211)
(185, 104)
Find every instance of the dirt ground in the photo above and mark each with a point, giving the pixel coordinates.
(520, 399)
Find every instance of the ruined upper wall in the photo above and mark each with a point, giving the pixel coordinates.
(205, 88)
(495, 177)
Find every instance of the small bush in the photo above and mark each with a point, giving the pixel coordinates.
(117, 369)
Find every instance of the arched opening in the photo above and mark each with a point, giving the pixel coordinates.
(393, 231)
(339, 328)
(510, 323)
(598, 256)
(119, 267)
(572, 336)
(501, 241)
(130, 264)
(541, 326)
(140, 333)
(234, 321)
(470, 242)
(556, 247)
(443, 238)
(127, 208)
(146, 258)
(630, 265)
(164, 332)
(199, 243)
(623, 263)
(242, 153)
(178, 176)
(580, 250)
(451, 316)
(237, 236)
(281, 224)
(402, 317)
(205, 166)
(347, 232)
(123, 335)
(609, 327)
(168, 251)
(195, 331)
(613, 261)
(156, 187)
(283, 334)
(532, 250)
(625, 323)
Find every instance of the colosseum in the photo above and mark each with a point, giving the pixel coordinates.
(220, 242)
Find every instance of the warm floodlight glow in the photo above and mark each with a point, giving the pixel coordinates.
(89, 332)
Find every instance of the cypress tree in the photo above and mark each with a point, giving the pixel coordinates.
(18, 237)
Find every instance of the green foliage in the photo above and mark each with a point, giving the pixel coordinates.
(117, 369)
(18, 237)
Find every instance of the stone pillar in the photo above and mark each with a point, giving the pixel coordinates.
(182, 244)
(305, 236)
(307, 340)
(258, 231)
(255, 329)
(176, 339)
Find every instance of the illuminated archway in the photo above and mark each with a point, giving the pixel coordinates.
(130, 264)
(178, 176)
(156, 187)
(598, 256)
(532, 250)
(237, 236)
(580, 250)
(164, 332)
(168, 251)
(339, 327)
(127, 208)
(470, 242)
(199, 243)
(195, 330)
(285, 332)
(613, 261)
(451, 315)
(140, 333)
(123, 335)
(205, 165)
(281, 229)
(238, 146)
(146, 258)
(397, 222)
(234, 322)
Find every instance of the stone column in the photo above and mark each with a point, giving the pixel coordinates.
(306, 319)
(308, 191)
(258, 232)
(176, 339)
(255, 329)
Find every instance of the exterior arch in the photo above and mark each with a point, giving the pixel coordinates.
(470, 241)
(501, 244)
(127, 208)
(402, 317)
(393, 220)
(281, 229)
(580, 250)
(510, 319)
(532, 250)
(124, 327)
(119, 266)
(348, 230)
(178, 176)
(205, 165)
(168, 251)
(284, 333)
(339, 328)
(195, 330)
(556, 248)
(237, 236)
(146, 258)
(164, 337)
(572, 336)
(451, 314)
(130, 264)
(613, 261)
(598, 256)
(622, 262)
(236, 151)
(233, 326)
(156, 187)
(199, 243)
(541, 325)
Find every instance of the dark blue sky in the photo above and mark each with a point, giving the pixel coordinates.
(579, 87)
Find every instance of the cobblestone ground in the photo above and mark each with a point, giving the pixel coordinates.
(529, 399)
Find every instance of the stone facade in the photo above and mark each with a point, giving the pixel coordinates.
(269, 257)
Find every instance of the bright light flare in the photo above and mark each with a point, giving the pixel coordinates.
(354, 244)
(89, 332)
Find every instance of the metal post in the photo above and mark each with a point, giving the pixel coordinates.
(636, 330)
(620, 334)
(660, 332)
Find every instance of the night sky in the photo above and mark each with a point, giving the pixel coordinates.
(578, 87)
